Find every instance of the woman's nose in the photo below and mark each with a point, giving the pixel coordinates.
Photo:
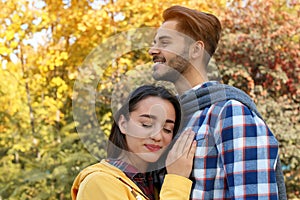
(157, 136)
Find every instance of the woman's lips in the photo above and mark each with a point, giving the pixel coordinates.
(152, 147)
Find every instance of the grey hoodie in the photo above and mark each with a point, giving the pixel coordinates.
(195, 100)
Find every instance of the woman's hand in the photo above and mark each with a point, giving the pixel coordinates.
(181, 156)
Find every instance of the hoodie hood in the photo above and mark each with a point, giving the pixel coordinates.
(105, 167)
(211, 93)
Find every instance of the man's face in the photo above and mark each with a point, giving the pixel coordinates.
(170, 53)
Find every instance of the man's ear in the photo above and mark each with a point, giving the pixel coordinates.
(197, 49)
(122, 123)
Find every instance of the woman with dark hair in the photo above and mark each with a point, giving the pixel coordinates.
(141, 135)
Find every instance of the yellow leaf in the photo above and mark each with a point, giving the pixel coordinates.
(16, 18)
(10, 35)
(64, 55)
(4, 50)
(51, 66)
(81, 27)
(22, 33)
(14, 44)
(98, 28)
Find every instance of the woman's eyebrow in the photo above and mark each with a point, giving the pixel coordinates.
(148, 116)
(170, 121)
(154, 117)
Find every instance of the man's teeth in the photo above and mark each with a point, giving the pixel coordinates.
(159, 62)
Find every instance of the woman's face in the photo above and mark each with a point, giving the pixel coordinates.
(149, 129)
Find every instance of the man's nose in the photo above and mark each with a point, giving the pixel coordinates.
(153, 50)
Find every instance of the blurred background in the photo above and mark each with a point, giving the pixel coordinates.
(43, 44)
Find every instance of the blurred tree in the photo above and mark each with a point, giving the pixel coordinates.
(259, 53)
(46, 46)
(43, 44)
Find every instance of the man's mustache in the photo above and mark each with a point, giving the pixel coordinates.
(159, 59)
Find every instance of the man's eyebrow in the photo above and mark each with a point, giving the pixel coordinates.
(162, 38)
(154, 117)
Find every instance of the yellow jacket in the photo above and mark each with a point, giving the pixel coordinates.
(102, 181)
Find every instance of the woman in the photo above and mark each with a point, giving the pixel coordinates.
(142, 131)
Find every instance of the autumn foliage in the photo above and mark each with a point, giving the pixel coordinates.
(45, 44)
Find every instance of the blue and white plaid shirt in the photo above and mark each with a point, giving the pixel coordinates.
(236, 153)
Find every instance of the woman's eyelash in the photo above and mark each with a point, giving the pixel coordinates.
(151, 125)
(147, 125)
(167, 130)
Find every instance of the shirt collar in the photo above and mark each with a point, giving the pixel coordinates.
(205, 84)
(130, 171)
(202, 85)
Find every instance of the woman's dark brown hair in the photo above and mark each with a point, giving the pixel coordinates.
(117, 141)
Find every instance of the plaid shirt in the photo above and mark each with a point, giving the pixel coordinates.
(236, 153)
(143, 180)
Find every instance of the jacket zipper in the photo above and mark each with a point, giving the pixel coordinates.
(134, 191)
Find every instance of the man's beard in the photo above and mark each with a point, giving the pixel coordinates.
(175, 68)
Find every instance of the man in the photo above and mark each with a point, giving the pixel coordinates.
(236, 153)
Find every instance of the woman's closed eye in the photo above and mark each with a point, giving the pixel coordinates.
(167, 130)
(147, 125)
